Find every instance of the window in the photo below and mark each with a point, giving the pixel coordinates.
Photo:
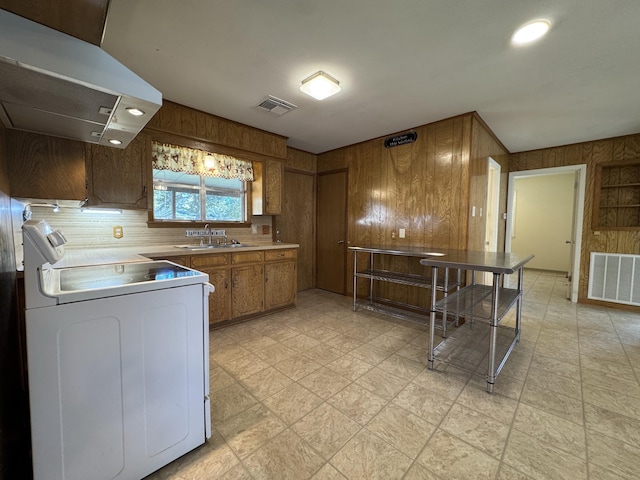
(192, 185)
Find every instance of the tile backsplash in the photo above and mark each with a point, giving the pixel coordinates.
(96, 229)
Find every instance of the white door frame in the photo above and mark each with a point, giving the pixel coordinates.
(492, 212)
(579, 202)
(493, 205)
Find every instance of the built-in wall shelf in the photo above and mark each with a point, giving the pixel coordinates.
(617, 196)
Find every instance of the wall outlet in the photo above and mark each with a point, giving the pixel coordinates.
(118, 232)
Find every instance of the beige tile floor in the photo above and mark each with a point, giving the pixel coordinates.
(324, 393)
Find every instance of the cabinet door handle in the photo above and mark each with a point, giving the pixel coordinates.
(340, 242)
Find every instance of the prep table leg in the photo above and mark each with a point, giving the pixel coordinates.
(371, 279)
(432, 316)
(355, 280)
(519, 302)
(446, 292)
(491, 374)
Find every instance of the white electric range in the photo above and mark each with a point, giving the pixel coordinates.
(118, 362)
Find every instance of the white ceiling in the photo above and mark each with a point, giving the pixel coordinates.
(401, 64)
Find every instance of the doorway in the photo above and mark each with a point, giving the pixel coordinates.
(332, 227)
(567, 184)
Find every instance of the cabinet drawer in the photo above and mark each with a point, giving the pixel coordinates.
(203, 261)
(271, 255)
(246, 257)
(180, 260)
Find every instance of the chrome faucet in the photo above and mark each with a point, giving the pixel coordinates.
(208, 231)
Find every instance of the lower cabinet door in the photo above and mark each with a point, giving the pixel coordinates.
(247, 290)
(279, 284)
(220, 299)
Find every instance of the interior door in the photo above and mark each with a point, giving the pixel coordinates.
(332, 242)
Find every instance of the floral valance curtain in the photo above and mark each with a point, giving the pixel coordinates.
(198, 162)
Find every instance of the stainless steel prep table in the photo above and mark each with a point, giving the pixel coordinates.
(480, 301)
(373, 273)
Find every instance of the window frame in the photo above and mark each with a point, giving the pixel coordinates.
(163, 137)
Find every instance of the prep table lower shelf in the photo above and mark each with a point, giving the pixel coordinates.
(413, 313)
(482, 306)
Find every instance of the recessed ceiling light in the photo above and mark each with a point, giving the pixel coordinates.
(115, 141)
(530, 32)
(136, 112)
(320, 86)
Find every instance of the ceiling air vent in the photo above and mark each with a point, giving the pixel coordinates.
(276, 105)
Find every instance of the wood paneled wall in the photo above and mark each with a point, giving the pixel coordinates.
(189, 122)
(422, 187)
(591, 154)
(301, 160)
(484, 144)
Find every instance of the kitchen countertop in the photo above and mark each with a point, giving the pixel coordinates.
(77, 257)
(172, 250)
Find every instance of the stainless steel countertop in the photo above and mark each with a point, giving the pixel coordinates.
(496, 262)
(402, 251)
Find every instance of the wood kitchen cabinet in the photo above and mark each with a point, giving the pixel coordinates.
(267, 187)
(45, 167)
(218, 269)
(117, 177)
(183, 260)
(247, 283)
(280, 278)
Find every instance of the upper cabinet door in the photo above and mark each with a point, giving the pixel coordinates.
(117, 177)
(45, 167)
(266, 190)
(273, 186)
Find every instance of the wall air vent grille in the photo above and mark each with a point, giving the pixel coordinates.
(275, 105)
(615, 277)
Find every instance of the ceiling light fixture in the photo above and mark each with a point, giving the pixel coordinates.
(530, 32)
(115, 141)
(320, 86)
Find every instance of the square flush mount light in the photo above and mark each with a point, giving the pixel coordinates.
(320, 86)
